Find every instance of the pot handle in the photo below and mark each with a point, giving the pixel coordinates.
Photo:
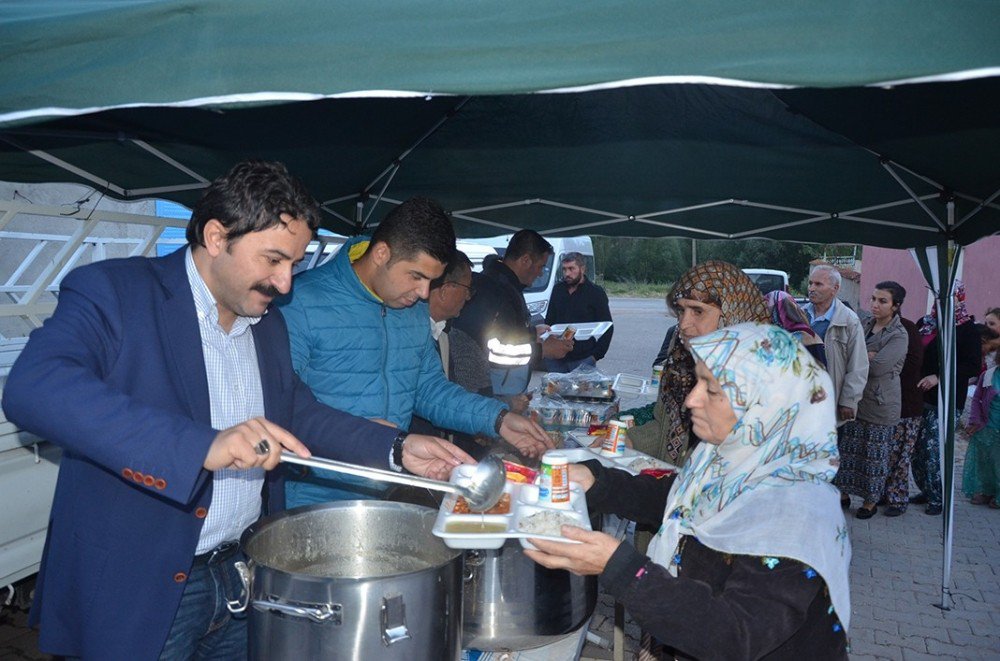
(317, 613)
(240, 605)
(394, 619)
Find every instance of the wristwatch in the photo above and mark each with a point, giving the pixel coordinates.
(396, 456)
(499, 421)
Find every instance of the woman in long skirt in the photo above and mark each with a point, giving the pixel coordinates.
(865, 442)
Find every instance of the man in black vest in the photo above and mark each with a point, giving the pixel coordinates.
(576, 299)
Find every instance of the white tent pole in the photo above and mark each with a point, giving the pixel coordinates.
(909, 191)
(982, 205)
(951, 264)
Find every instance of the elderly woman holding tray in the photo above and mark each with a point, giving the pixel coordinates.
(705, 298)
(751, 560)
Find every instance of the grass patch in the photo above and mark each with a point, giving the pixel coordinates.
(635, 289)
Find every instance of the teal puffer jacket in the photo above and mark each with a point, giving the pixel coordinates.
(374, 361)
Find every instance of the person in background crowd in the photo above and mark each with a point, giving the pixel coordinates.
(926, 464)
(992, 321)
(840, 330)
(751, 560)
(705, 298)
(575, 299)
(981, 475)
(498, 309)
(360, 338)
(787, 314)
(448, 295)
(897, 485)
(866, 441)
(168, 384)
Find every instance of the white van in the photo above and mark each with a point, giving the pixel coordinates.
(538, 293)
(768, 280)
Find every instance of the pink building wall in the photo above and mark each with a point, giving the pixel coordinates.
(980, 273)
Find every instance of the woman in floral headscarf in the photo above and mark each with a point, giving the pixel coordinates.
(705, 298)
(751, 560)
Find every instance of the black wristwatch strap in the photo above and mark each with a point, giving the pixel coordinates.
(397, 452)
(499, 421)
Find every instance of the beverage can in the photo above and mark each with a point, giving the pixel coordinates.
(553, 485)
(657, 374)
(614, 442)
(581, 417)
(629, 421)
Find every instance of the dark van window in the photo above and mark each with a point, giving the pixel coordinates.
(767, 282)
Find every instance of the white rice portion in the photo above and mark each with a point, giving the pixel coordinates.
(546, 522)
(643, 463)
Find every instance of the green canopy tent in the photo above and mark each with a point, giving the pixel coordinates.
(873, 124)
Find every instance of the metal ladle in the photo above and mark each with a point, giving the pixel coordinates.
(484, 490)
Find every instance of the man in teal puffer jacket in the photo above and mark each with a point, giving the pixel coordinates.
(360, 340)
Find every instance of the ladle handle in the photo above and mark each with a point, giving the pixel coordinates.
(373, 473)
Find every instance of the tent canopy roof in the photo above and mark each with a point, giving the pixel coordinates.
(835, 161)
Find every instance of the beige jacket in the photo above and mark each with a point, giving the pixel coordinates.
(846, 356)
(883, 397)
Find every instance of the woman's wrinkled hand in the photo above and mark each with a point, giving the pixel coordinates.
(589, 557)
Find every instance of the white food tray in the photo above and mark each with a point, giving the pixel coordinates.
(624, 462)
(523, 504)
(584, 331)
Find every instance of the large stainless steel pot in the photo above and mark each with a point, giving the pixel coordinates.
(353, 580)
(509, 601)
(512, 603)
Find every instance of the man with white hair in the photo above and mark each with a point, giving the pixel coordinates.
(840, 329)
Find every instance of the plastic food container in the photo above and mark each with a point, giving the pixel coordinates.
(491, 531)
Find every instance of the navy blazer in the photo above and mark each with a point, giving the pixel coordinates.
(116, 377)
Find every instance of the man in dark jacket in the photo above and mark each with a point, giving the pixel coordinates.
(498, 312)
(575, 299)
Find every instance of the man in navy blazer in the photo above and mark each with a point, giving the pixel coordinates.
(127, 376)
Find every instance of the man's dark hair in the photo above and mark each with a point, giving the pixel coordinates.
(527, 242)
(457, 265)
(575, 257)
(897, 291)
(251, 198)
(415, 226)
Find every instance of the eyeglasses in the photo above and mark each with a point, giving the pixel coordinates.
(469, 290)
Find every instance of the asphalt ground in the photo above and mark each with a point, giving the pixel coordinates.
(896, 571)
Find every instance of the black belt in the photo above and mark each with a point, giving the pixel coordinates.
(219, 554)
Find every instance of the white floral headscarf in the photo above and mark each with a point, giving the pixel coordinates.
(765, 490)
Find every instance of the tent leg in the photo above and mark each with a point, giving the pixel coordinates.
(940, 267)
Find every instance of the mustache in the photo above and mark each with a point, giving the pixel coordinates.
(267, 290)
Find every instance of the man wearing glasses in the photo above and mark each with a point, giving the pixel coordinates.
(361, 340)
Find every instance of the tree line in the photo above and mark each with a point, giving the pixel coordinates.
(664, 260)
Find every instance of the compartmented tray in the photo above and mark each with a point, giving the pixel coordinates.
(626, 462)
(584, 330)
(491, 531)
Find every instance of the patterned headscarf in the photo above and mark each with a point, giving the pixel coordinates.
(765, 490)
(720, 284)
(785, 312)
(962, 315)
